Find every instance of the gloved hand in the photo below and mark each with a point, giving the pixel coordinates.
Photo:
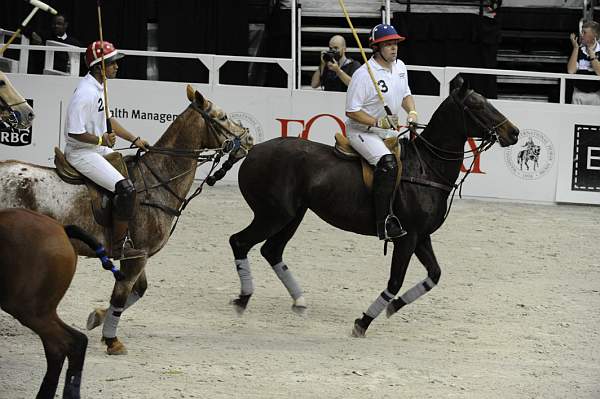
(387, 122)
(412, 117)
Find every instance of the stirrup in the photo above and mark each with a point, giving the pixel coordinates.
(392, 220)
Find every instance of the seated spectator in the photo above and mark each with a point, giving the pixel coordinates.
(584, 60)
(58, 33)
(336, 70)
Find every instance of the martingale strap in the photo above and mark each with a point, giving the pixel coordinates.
(425, 182)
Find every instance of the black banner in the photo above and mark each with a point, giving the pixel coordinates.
(586, 159)
(13, 136)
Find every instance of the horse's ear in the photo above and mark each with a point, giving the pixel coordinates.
(189, 90)
(464, 88)
(456, 83)
(200, 100)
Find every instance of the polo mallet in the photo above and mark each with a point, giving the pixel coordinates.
(103, 69)
(364, 56)
(385, 106)
(37, 5)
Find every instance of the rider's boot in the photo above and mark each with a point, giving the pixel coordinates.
(384, 181)
(123, 208)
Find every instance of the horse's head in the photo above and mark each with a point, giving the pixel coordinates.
(480, 118)
(14, 110)
(228, 134)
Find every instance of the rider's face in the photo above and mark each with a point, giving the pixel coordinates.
(389, 50)
(111, 70)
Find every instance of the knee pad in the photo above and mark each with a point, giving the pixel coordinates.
(124, 199)
(386, 164)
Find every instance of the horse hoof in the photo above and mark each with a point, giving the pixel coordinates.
(299, 306)
(114, 346)
(95, 318)
(298, 309)
(239, 307)
(358, 331)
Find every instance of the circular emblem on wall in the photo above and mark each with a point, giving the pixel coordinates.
(532, 157)
(249, 121)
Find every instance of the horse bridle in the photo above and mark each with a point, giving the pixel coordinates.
(232, 142)
(13, 118)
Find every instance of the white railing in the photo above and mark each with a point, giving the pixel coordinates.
(74, 59)
(213, 63)
(19, 66)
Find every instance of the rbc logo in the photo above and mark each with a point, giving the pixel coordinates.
(13, 136)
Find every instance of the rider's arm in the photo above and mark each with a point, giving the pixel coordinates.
(125, 134)
(408, 103)
(86, 137)
(362, 117)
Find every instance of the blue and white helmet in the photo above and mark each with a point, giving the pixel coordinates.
(382, 33)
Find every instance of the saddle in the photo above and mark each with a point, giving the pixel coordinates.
(344, 150)
(100, 197)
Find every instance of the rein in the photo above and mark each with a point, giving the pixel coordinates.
(490, 137)
(231, 143)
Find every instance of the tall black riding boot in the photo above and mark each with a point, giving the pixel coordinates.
(384, 180)
(123, 209)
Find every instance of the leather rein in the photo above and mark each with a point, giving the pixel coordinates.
(232, 142)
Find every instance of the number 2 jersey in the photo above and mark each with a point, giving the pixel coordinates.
(85, 112)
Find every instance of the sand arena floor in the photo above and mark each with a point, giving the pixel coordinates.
(516, 314)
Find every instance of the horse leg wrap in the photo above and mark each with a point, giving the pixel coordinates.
(243, 270)
(380, 303)
(113, 315)
(287, 278)
(416, 291)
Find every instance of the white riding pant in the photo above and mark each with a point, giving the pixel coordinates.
(369, 145)
(581, 97)
(90, 162)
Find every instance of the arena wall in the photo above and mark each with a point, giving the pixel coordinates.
(568, 136)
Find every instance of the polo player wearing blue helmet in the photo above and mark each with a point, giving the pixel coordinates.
(365, 110)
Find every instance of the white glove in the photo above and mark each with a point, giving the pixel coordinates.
(387, 122)
(412, 117)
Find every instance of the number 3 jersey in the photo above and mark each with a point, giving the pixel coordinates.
(85, 112)
(362, 96)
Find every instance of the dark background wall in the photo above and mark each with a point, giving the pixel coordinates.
(195, 26)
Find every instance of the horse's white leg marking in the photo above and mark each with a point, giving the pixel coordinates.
(242, 266)
(288, 280)
(380, 303)
(418, 290)
(131, 299)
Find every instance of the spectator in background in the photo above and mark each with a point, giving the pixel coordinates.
(336, 70)
(58, 33)
(585, 60)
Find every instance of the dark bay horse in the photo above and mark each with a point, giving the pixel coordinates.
(162, 177)
(37, 263)
(281, 178)
(14, 110)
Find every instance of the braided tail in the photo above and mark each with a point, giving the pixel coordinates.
(78, 233)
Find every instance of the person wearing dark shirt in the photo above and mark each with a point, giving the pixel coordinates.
(335, 71)
(58, 33)
(585, 60)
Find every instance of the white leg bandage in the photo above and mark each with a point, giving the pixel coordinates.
(380, 303)
(418, 290)
(287, 278)
(113, 315)
(243, 269)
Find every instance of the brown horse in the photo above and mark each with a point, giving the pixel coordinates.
(14, 109)
(163, 177)
(33, 280)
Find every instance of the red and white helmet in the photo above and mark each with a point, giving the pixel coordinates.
(93, 54)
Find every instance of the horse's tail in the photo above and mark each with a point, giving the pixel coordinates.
(80, 234)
